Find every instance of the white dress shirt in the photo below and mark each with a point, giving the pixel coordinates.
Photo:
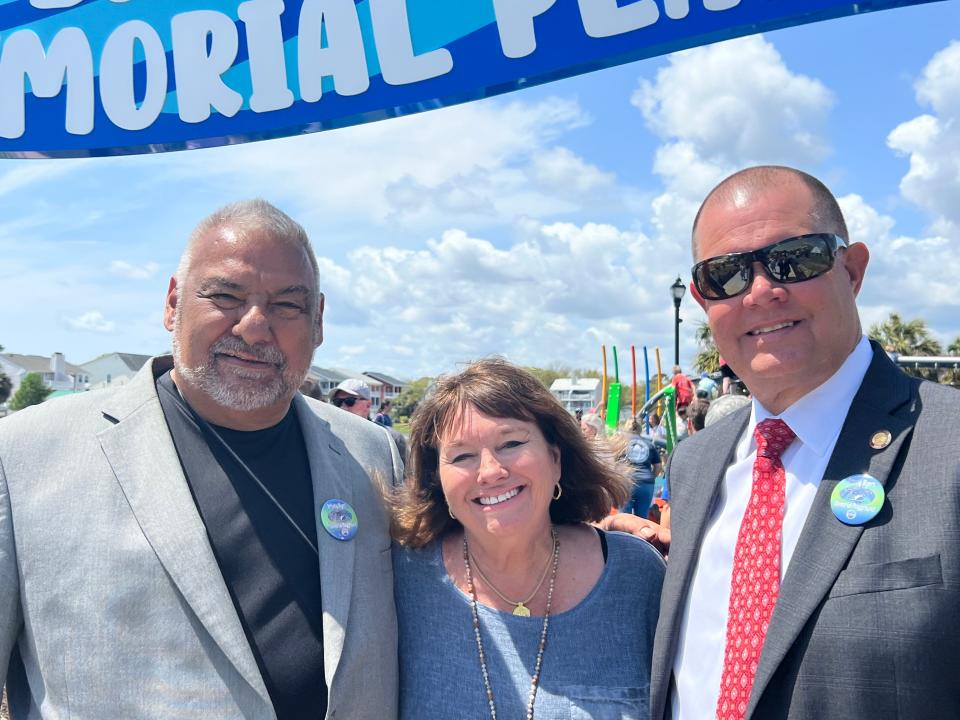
(816, 418)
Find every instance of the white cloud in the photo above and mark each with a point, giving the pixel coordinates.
(932, 141)
(486, 162)
(37, 171)
(737, 101)
(722, 107)
(939, 86)
(915, 288)
(133, 271)
(560, 169)
(92, 321)
(555, 292)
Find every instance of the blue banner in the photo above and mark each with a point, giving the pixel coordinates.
(109, 77)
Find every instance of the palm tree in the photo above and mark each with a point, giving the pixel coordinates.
(708, 359)
(907, 338)
(952, 376)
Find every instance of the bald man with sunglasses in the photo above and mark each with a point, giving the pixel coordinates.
(815, 560)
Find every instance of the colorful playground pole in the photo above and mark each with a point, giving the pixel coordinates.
(603, 385)
(633, 387)
(670, 417)
(646, 386)
(613, 399)
(659, 373)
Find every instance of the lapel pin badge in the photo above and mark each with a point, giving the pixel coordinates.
(857, 499)
(880, 439)
(339, 519)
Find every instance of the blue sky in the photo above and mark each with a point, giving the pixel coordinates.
(536, 225)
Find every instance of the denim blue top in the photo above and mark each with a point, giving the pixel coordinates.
(596, 662)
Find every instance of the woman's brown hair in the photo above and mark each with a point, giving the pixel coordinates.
(499, 389)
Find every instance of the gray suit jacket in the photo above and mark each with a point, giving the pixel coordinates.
(867, 623)
(111, 602)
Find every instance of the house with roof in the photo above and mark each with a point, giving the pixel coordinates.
(55, 372)
(325, 379)
(576, 393)
(114, 368)
(390, 387)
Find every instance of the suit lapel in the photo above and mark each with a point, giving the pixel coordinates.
(691, 509)
(332, 479)
(141, 452)
(825, 544)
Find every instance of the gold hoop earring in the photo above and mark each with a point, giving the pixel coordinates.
(557, 492)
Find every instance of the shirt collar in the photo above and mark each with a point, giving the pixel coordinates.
(818, 416)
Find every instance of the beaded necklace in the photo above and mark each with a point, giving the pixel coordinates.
(535, 680)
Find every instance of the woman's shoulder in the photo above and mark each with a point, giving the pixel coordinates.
(635, 551)
(406, 555)
(412, 565)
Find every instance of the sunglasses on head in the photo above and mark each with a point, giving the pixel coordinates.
(793, 260)
(348, 401)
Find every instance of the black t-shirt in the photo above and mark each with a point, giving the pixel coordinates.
(270, 569)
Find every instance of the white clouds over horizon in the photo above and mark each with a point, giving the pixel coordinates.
(719, 108)
(537, 226)
(932, 142)
(558, 287)
(483, 163)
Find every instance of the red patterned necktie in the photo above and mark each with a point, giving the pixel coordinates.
(755, 581)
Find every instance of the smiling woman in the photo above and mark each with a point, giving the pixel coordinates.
(493, 515)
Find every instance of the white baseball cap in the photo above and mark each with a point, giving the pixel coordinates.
(352, 386)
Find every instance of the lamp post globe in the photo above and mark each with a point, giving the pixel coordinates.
(677, 290)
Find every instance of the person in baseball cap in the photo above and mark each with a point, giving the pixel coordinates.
(352, 395)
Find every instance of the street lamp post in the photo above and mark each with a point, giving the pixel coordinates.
(677, 290)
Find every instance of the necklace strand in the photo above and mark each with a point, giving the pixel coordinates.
(535, 679)
(520, 607)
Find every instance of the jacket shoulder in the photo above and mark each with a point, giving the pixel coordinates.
(62, 415)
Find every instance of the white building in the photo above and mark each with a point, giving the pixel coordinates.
(577, 393)
(55, 371)
(113, 368)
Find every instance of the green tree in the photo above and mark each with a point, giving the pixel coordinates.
(708, 358)
(5, 387)
(411, 396)
(951, 376)
(5, 384)
(907, 338)
(904, 338)
(31, 392)
(555, 372)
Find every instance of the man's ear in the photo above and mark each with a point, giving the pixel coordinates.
(855, 260)
(697, 296)
(318, 323)
(170, 306)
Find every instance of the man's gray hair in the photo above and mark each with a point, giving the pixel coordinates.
(243, 218)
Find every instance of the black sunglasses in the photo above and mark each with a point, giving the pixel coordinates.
(793, 260)
(348, 401)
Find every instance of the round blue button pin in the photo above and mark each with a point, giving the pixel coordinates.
(857, 499)
(339, 519)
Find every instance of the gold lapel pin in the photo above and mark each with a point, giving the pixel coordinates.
(880, 439)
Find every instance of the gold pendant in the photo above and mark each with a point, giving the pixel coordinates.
(521, 610)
